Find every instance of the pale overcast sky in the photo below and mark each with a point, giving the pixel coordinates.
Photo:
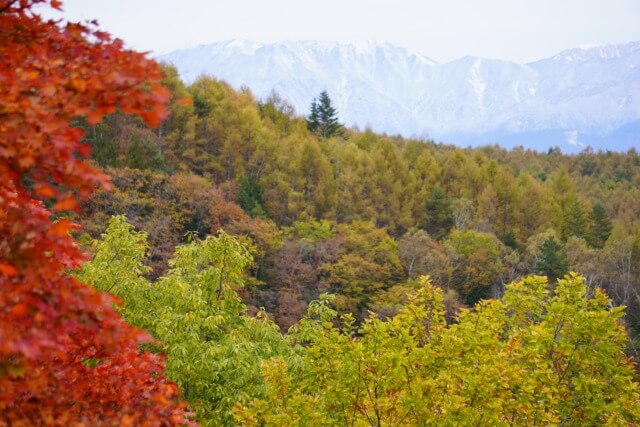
(443, 30)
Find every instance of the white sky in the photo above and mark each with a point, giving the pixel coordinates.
(443, 30)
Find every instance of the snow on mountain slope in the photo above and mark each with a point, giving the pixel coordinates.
(582, 94)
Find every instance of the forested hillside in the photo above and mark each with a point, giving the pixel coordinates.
(363, 215)
(300, 274)
(240, 265)
(535, 357)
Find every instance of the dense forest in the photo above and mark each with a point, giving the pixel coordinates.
(287, 270)
(362, 215)
(329, 236)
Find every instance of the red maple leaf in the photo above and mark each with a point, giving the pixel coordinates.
(66, 356)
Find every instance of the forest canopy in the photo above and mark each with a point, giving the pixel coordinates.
(262, 268)
(360, 216)
(537, 356)
(334, 237)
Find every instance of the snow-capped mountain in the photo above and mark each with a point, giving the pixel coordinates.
(583, 96)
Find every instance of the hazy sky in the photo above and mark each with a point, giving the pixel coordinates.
(443, 30)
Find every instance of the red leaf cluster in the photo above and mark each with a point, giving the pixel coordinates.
(66, 357)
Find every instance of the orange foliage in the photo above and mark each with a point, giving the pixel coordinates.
(66, 357)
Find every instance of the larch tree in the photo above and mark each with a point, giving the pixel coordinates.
(66, 356)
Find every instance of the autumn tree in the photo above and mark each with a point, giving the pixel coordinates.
(213, 348)
(534, 357)
(476, 264)
(294, 270)
(279, 113)
(66, 357)
(575, 222)
(621, 255)
(229, 148)
(421, 255)
(368, 262)
(318, 188)
(580, 257)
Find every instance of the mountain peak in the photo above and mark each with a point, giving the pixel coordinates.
(587, 92)
(592, 52)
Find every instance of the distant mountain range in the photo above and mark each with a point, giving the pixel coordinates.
(580, 97)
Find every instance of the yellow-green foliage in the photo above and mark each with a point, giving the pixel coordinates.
(358, 217)
(213, 348)
(225, 147)
(534, 358)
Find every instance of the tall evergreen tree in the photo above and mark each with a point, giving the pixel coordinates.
(439, 214)
(599, 227)
(323, 118)
(251, 196)
(553, 260)
(312, 121)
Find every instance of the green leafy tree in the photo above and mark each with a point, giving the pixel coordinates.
(104, 145)
(213, 348)
(143, 150)
(310, 229)
(534, 358)
(475, 263)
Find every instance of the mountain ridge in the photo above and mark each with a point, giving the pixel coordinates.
(586, 93)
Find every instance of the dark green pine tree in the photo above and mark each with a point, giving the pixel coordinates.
(439, 214)
(553, 260)
(323, 119)
(313, 121)
(251, 196)
(599, 227)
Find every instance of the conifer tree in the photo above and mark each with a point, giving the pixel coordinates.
(323, 118)
(251, 196)
(599, 227)
(312, 120)
(439, 215)
(553, 260)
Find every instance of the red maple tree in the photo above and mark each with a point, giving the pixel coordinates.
(66, 357)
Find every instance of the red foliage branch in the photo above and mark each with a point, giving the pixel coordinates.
(66, 357)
